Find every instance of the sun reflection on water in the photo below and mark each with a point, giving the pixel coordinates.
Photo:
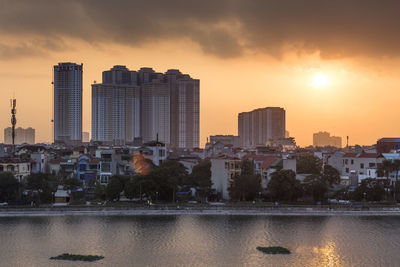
(326, 256)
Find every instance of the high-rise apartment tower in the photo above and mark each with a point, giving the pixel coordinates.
(68, 103)
(260, 126)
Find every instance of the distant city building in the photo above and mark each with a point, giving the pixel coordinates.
(225, 139)
(185, 109)
(85, 137)
(156, 112)
(116, 107)
(322, 139)
(386, 145)
(259, 126)
(22, 136)
(146, 105)
(68, 103)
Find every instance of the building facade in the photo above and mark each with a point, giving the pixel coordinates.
(222, 172)
(386, 145)
(85, 137)
(225, 139)
(22, 136)
(322, 139)
(261, 125)
(361, 164)
(116, 107)
(156, 123)
(68, 103)
(146, 105)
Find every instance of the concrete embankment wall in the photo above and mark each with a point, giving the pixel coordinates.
(201, 210)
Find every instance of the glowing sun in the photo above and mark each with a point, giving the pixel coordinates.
(319, 80)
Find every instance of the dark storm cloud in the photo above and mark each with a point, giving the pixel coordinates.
(225, 28)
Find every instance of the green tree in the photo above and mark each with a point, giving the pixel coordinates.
(71, 184)
(384, 170)
(246, 185)
(114, 188)
(99, 191)
(316, 186)
(122, 178)
(396, 169)
(43, 183)
(284, 186)
(9, 187)
(133, 187)
(308, 164)
(163, 181)
(330, 175)
(200, 178)
(371, 189)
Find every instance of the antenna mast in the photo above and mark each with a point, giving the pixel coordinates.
(13, 118)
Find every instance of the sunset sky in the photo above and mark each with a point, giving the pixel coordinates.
(333, 65)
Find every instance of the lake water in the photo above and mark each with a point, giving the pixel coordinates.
(201, 240)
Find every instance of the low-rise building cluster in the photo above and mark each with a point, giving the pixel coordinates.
(90, 163)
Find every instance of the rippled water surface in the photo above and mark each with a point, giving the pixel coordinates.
(201, 240)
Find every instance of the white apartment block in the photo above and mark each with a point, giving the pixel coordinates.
(115, 113)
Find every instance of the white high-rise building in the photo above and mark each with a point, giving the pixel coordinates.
(116, 107)
(188, 113)
(156, 112)
(260, 126)
(68, 103)
(115, 113)
(146, 105)
(185, 109)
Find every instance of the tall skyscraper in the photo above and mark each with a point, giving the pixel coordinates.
(116, 107)
(146, 104)
(156, 114)
(185, 109)
(22, 136)
(68, 103)
(260, 126)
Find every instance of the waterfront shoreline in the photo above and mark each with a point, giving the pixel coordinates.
(59, 212)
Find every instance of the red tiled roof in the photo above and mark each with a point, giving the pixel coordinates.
(57, 161)
(268, 162)
(225, 157)
(14, 160)
(350, 155)
(258, 157)
(369, 155)
(361, 155)
(389, 140)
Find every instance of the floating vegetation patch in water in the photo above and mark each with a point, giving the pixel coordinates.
(274, 250)
(76, 257)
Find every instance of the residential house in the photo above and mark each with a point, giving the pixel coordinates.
(223, 169)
